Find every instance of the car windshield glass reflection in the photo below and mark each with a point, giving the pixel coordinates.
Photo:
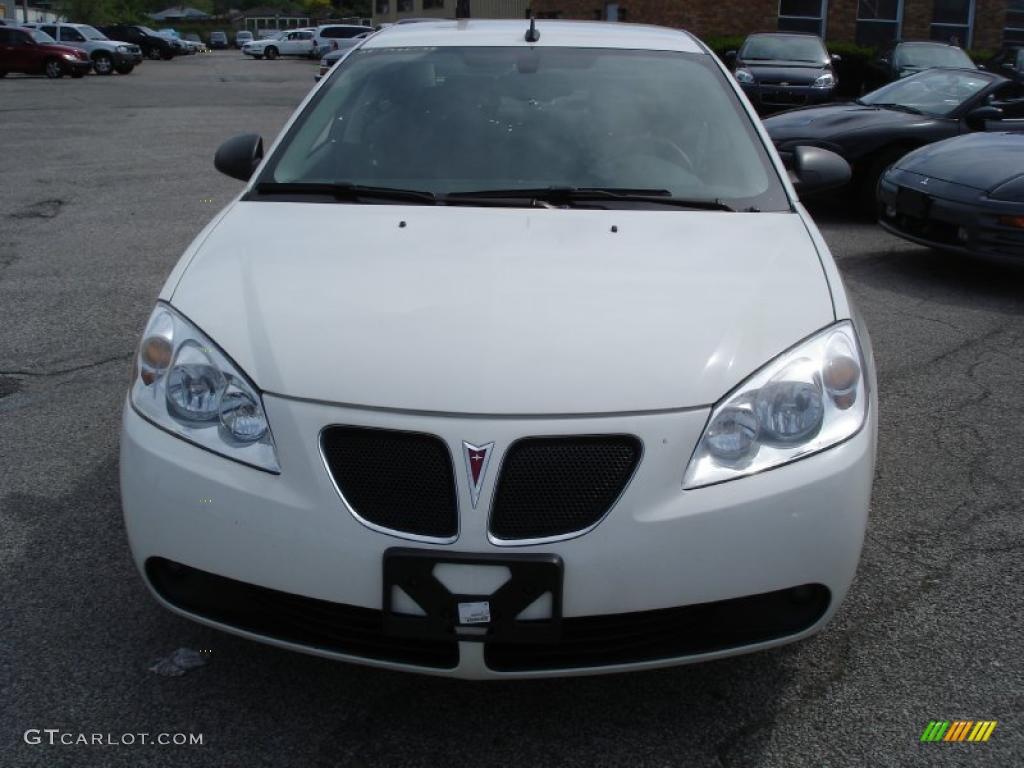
(91, 33)
(804, 49)
(924, 56)
(444, 120)
(935, 92)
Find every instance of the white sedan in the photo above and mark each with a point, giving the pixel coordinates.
(504, 363)
(298, 42)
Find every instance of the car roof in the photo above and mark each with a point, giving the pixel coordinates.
(553, 33)
(941, 43)
(785, 34)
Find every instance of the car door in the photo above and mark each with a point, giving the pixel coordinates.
(27, 54)
(289, 45)
(71, 36)
(9, 54)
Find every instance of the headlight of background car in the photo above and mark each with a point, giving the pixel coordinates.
(122, 49)
(804, 401)
(185, 384)
(825, 81)
(743, 76)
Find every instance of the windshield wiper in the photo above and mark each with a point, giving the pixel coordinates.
(569, 195)
(343, 190)
(898, 107)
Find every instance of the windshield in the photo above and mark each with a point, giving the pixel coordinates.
(924, 56)
(147, 31)
(91, 33)
(937, 92)
(788, 48)
(39, 36)
(445, 120)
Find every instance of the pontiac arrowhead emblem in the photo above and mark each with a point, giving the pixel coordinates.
(477, 458)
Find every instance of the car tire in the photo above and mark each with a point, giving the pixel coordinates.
(271, 53)
(102, 64)
(874, 170)
(153, 54)
(124, 69)
(53, 70)
(167, 54)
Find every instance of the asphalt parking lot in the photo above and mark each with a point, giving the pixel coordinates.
(106, 180)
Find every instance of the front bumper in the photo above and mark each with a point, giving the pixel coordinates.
(130, 57)
(76, 66)
(948, 217)
(774, 98)
(666, 563)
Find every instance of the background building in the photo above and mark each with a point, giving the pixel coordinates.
(974, 23)
(390, 11)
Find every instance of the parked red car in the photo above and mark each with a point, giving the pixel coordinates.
(34, 52)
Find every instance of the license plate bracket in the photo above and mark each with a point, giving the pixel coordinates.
(532, 575)
(913, 203)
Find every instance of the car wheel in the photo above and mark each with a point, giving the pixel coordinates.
(53, 69)
(271, 53)
(875, 169)
(152, 54)
(124, 69)
(102, 64)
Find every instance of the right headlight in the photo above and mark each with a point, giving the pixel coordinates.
(184, 384)
(806, 400)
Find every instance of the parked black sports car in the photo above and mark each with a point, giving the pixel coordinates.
(781, 70)
(898, 60)
(874, 131)
(964, 194)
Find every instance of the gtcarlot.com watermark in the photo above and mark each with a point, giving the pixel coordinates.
(55, 737)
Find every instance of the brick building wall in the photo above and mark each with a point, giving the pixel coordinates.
(711, 18)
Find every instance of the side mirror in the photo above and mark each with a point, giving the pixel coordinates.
(836, 58)
(977, 118)
(816, 170)
(239, 156)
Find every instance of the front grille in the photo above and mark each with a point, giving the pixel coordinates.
(555, 486)
(345, 629)
(624, 638)
(401, 481)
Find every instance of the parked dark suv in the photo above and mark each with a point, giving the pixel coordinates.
(153, 46)
(898, 60)
(1009, 62)
(780, 70)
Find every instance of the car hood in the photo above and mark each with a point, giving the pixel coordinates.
(503, 310)
(61, 50)
(834, 120)
(979, 160)
(790, 72)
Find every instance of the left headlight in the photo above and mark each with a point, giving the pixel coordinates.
(122, 49)
(183, 383)
(828, 80)
(743, 76)
(806, 400)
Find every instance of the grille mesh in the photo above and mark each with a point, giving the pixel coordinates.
(402, 481)
(552, 486)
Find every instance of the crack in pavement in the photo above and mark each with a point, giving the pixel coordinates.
(72, 369)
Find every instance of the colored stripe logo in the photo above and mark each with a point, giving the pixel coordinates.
(958, 730)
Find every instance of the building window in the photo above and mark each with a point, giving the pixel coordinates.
(803, 16)
(382, 7)
(878, 22)
(432, 4)
(952, 21)
(405, 6)
(1014, 32)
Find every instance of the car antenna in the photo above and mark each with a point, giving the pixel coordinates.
(532, 35)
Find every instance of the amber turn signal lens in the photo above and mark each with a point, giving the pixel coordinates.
(1012, 221)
